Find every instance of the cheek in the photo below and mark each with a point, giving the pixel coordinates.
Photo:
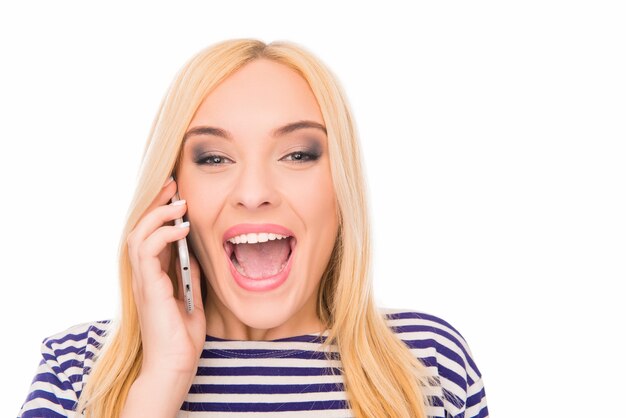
(205, 203)
(313, 197)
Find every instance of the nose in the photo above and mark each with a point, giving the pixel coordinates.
(254, 188)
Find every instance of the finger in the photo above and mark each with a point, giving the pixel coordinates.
(153, 220)
(147, 254)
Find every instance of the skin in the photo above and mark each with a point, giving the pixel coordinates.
(259, 179)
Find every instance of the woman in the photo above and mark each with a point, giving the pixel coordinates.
(261, 143)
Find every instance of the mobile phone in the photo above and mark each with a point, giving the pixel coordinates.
(185, 267)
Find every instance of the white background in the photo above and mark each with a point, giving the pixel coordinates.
(493, 136)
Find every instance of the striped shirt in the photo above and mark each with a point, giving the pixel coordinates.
(286, 377)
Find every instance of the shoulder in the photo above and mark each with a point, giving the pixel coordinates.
(72, 350)
(77, 337)
(79, 332)
(67, 358)
(446, 355)
(431, 330)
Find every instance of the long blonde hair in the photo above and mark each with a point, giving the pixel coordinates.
(382, 377)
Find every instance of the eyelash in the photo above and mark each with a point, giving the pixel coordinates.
(305, 157)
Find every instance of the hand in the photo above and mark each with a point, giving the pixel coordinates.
(172, 339)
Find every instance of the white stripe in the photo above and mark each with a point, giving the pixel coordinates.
(70, 371)
(290, 380)
(421, 335)
(474, 410)
(338, 413)
(81, 343)
(266, 346)
(411, 336)
(71, 356)
(434, 391)
(58, 392)
(275, 398)
(428, 323)
(475, 388)
(266, 380)
(267, 362)
(435, 411)
(43, 403)
(441, 360)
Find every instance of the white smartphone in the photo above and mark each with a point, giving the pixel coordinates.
(185, 267)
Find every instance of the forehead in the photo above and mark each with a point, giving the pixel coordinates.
(261, 94)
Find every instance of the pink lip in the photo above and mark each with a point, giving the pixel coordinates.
(255, 228)
(268, 283)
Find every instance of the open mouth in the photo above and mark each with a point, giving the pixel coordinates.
(262, 256)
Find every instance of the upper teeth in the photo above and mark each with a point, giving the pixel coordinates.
(253, 238)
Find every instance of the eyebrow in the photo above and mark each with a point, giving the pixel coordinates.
(290, 127)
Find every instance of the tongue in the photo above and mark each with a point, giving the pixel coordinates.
(263, 259)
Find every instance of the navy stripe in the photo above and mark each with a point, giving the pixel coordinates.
(42, 413)
(40, 394)
(263, 407)
(453, 377)
(435, 401)
(483, 413)
(453, 399)
(452, 338)
(62, 385)
(71, 363)
(69, 349)
(441, 349)
(48, 378)
(248, 353)
(265, 371)
(73, 337)
(267, 389)
(429, 361)
(422, 315)
(75, 378)
(308, 338)
(91, 341)
(475, 398)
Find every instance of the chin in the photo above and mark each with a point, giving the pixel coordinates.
(262, 315)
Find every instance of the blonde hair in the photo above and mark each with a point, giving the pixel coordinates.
(382, 377)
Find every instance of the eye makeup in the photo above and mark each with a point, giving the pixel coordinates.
(311, 147)
(314, 147)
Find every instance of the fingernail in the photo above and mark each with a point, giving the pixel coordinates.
(168, 181)
(178, 202)
(183, 225)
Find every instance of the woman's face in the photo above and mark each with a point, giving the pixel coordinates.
(255, 164)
